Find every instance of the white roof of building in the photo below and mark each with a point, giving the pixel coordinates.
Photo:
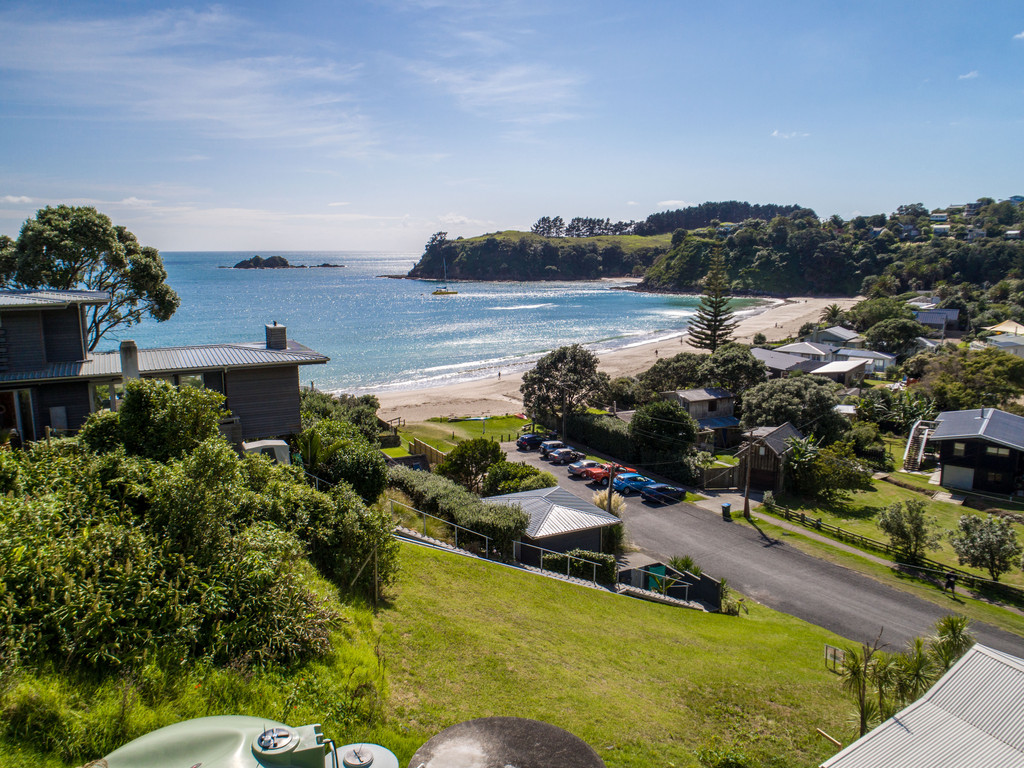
(840, 366)
(554, 511)
(806, 348)
(50, 299)
(868, 353)
(1006, 340)
(970, 718)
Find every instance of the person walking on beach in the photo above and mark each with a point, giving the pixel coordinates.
(950, 582)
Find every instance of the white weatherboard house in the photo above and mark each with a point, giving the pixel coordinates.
(971, 718)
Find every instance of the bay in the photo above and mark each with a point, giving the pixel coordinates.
(383, 333)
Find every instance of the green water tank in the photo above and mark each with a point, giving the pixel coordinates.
(226, 741)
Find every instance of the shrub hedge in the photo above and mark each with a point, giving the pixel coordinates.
(446, 499)
(607, 569)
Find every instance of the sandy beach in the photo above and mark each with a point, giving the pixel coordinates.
(496, 396)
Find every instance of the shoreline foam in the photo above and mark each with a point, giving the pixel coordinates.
(492, 394)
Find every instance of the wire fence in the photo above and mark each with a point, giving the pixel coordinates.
(922, 565)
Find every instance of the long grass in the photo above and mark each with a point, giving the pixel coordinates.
(644, 684)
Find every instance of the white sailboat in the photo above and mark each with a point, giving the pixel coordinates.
(443, 291)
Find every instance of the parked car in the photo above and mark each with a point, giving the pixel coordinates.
(662, 493)
(600, 474)
(578, 468)
(628, 482)
(551, 445)
(530, 441)
(564, 456)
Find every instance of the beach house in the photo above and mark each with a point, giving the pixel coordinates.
(50, 379)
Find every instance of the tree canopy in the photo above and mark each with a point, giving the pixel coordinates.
(71, 247)
(988, 542)
(561, 382)
(808, 402)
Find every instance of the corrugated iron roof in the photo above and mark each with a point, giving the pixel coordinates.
(175, 359)
(841, 333)
(806, 348)
(988, 423)
(44, 298)
(703, 393)
(970, 718)
(718, 422)
(780, 361)
(867, 353)
(554, 511)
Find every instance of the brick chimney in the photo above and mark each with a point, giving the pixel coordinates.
(129, 360)
(277, 336)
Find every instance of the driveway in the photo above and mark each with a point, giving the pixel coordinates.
(776, 574)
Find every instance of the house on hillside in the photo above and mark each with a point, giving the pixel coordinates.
(559, 521)
(765, 450)
(836, 336)
(877, 362)
(822, 353)
(938, 319)
(964, 720)
(48, 377)
(779, 364)
(713, 410)
(981, 449)
(848, 372)
(1007, 342)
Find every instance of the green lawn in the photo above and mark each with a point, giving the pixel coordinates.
(444, 434)
(644, 684)
(395, 452)
(859, 515)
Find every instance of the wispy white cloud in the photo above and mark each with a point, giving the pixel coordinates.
(207, 69)
(136, 202)
(968, 75)
(777, 134)
(519, 93)
(632, 202)
(459, 220)
(1019, 36)
(674, 204)
(15, 199)
(337, 205)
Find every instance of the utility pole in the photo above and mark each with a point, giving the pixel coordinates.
(611, 477)
(746, 492)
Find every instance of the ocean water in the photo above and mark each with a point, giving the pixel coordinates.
(383, 333)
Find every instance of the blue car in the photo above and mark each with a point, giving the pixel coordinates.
(662, 493)
(630, 482)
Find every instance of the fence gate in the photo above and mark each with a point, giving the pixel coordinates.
(722, 477)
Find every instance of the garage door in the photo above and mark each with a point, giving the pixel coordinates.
(958, 477)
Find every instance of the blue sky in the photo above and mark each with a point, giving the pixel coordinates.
(370, 125)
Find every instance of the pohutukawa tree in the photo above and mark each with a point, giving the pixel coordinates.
(714, 325)
(560, 383)
(71, 247)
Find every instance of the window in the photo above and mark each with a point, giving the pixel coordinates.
(712, 405)
(190, 380)
(995, 477)
(995, 450)
(958, 449)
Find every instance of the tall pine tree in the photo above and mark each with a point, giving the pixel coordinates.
(714, 324)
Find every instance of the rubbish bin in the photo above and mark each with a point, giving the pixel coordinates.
(726, 510)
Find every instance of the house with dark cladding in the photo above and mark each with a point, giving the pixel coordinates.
(49, 378)
(981, 449)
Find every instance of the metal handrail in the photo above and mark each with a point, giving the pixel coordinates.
(456, 526)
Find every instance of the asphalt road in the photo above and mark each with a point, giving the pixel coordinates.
(778, 575)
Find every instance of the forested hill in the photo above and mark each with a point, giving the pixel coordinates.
(526, 256)
(798, 254)
(705, 214)
(791, 254)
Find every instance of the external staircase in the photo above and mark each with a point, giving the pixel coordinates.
(914, 453)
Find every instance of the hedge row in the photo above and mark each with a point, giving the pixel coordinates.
(603, 433)
(446, 499)
(607, 569)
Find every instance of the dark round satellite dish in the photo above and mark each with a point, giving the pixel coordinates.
(497, 742)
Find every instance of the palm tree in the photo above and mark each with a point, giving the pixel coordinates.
(833, 314)
(915, 672)
(952, 639)
(313, 451)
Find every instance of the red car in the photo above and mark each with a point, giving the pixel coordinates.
(600, 474)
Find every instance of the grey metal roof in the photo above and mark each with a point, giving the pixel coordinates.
(986, 423)
(970, 718)
(554, 511)
(841, 333)
(704, 393)
(1007, 340)
(840, 366)
(42, 298)
(806, 348)
(936, 316)
(174, 360)
(774, 437)
(779, 361)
